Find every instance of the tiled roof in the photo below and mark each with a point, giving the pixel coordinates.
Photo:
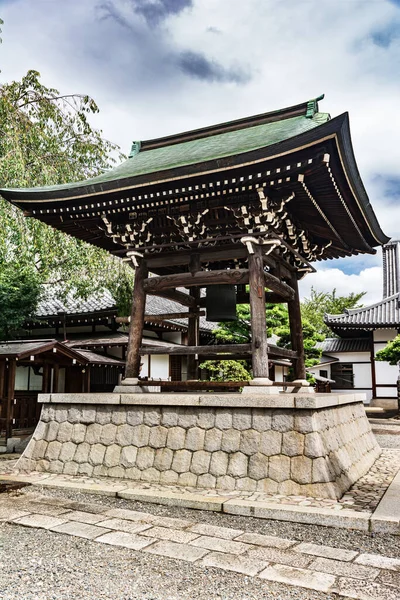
(344, 345)
(216, 142)
(385, 313)
(51, 305)
(98, 359)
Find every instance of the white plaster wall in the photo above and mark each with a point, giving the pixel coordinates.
(386, 392)
(351, 357)
(362, 375)
(386, 373)
(361, 391)
(159, 366)
(383, 335)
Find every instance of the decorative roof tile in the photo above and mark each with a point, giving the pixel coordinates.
(385, 313)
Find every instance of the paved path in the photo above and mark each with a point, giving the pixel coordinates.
(313, 566)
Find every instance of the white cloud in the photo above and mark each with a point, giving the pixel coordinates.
(325, 280)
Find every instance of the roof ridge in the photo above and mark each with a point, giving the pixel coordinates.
(307, 109)
(353, 311)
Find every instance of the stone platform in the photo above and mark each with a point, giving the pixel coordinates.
(315, 445)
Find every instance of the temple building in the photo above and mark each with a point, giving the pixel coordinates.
(349, 359)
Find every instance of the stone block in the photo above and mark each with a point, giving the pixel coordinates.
(85, 469)
(205, 418)
(207, 481)
(176, 438)
(117, 472)
(187, 417)
(53, 451)
(225, 482)
(169, 477)
(133, 473)
(112, 456)
(230, 441)
(219, 463)
(88, 415)
(282, 420)
(224, 419)
(290, 488)
(135, 416)
(152, 417)
(195, 439)
(52, 431)
(169, 417)
(320, 471)
(261, 419)
(96, 455)
(163, 459)
(47, 414)
(303, 578)
(140, 437)
(326, 552)
(267, 486)
(242, 419)
(257, 539)
(279, 468)
(82, 453)
(271, 442)
(187, 479)
(124, 435)
(249, 441)
(103, 415)
(301, 469)
(43, 465)
(39, 449)
(258, 466)
(65, 432)
(125, 540)
(213, 440)
(246, 484)
(177, 551)
(67, 451)
(304, 421)
(40, 431)
(313, 446)
(220, 545)
(150, 475)
(181, 461)
(70, 468)
(230, 562)
(238, 465)
(78, 433)
(74, 414)
(56, 466)
(200, 462)
(93, 433)
(61, 415)
(107, 434)
(100, 471)
(292, 443)
(145, 457)
(118, 416)
(158, 436)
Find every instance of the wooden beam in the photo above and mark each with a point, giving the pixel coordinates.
(132, 367)
(244, 298)
(200, 279)
(278, 286)
(214, 350)
(206, 255)
(163, 317)
(259, 343)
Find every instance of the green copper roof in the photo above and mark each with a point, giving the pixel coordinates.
(202, 149)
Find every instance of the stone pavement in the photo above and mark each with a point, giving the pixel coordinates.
(312, 566)
(358, 509)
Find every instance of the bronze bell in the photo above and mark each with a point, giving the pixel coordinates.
(221, 303)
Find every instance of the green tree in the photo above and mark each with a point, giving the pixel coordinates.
(318, 304)
(20, 292)
(391, 354)
(46, 139)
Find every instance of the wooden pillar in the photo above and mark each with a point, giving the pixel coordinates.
(10, 397)
(46, 378)
(132, 367)
(56, 372)
(296, 333)
(258, 319)
(193, 324)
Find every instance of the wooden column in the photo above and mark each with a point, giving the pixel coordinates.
(56, 373)
(10, 397)
(296, 333)
(193, 321)
(46, 378)
(258, 318)
(132, 367)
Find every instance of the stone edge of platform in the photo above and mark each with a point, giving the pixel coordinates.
(385, 519)
(282, 400)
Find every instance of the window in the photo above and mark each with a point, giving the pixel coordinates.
(343, 375)
(323, 373)
(28, 379)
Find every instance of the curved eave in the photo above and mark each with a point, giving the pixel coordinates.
(336, 130)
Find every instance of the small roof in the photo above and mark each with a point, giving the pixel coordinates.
(344, 345)
(97, 359)
(385, 313)
(51, 305)
(22, 349)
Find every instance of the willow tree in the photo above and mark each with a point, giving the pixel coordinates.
(46, 139)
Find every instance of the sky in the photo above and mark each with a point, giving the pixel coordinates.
(157, 67)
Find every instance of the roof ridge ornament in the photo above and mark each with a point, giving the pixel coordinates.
(312, 106)
(135, 149)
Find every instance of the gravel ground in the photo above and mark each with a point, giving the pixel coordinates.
(388, 441)
(40, 565)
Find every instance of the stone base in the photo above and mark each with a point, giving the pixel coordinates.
(284, 444)
(259, 389)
